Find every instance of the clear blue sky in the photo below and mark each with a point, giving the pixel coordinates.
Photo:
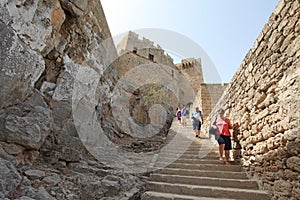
(225, 29)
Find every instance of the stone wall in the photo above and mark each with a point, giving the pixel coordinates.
(129, 62)
(209, 95)
(263, 98)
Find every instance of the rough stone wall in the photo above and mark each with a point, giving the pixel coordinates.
(45, 48)
(263, 98)
(209, 95)
(130, 62)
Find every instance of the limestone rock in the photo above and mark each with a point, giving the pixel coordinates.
(24, 198)
(76, 7)
(26, 125)
(43, 194)
(53, 179)
(92, 190)
(16, 82)
(294, 163)
(30, 20)
(283, 187)
(35, 174)
(10, 178)
(111, 185)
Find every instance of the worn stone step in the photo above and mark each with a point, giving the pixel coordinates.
(167, 153)
(208, 163)
(196, 156)
(188, 143)
(189, 161)
(188, 155)
(203, 173)
(211, 167)
(202, 161)
(183, 156)
(193, 180)
(150, 195)
(189, 151)
(207, 191)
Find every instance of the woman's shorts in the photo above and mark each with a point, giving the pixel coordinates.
(222, 139)
(196, 125)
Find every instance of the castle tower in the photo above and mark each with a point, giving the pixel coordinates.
(191, 68)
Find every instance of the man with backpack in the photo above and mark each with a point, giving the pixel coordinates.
(197, 118)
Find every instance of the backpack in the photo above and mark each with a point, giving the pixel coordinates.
(183, 112)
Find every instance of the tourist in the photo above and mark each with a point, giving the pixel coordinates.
(223, 136)
(178, 114)
(197, 118)
(183, 116)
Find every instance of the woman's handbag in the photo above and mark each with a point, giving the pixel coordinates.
(213, 129)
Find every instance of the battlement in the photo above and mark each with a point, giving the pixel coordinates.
(189, 62)
(133, 41)
(144, 47)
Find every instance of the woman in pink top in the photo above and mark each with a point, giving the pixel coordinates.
(223, 136)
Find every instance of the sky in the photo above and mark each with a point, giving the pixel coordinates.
(224, 30)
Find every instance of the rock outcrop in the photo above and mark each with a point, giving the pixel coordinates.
(53, 55)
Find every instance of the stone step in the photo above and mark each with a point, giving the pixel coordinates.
(209, 167)
(189, 145)
(208, 181)
(189, 161)
(190, 151)
(207, 191)
(197, 156)
(150, 195)
(203, 173)
(188, 155)
(193, 157)
(202, 161)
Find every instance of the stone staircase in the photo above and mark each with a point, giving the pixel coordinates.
(189, 169)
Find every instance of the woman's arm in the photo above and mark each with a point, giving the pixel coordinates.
(230, 126)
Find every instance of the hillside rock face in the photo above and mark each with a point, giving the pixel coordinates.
(55, 61)
(263, 98)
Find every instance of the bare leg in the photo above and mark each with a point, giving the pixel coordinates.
(221, 150)
(227, 156)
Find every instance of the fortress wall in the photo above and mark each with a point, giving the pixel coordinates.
(209, 95)
(263, 98)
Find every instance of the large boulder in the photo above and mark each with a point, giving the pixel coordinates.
(26, 125)
(20, 67)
